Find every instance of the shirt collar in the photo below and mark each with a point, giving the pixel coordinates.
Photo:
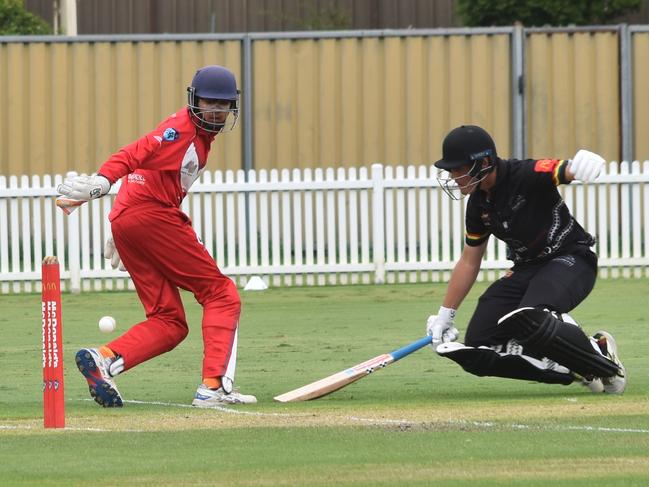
(502, 170)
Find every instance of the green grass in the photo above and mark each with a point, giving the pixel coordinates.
(422, 421)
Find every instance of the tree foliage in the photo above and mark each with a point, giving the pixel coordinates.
(15, 20)
(310, 15)
(543, 12)
(326, 18)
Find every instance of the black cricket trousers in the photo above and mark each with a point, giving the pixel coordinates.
(559, 284)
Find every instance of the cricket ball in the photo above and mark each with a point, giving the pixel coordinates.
(107, 324)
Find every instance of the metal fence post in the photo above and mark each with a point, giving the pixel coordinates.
(519, 122)
(626, 93)
(378, 227)
(246, 103)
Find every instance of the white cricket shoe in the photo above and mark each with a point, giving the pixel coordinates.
(617, 383)
(595, 384)
(209, 398)
(94, 368)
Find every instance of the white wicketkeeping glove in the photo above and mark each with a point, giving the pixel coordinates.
(586, 165)
(110, 253)
(84, 187)
(441, 326)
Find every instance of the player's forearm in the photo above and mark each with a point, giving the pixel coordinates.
(462, 278)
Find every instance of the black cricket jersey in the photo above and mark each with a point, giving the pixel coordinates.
(526, 211)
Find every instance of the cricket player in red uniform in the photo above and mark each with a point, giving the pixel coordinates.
(154, 240)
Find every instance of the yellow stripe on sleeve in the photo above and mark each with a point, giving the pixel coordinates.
(556, 174)
(476, 237)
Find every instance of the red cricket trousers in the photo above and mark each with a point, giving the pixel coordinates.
(162, 253)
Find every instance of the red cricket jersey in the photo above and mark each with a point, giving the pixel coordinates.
(161, 166)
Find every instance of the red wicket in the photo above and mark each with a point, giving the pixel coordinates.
(53, 391)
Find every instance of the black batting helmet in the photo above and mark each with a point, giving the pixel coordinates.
(465, 145)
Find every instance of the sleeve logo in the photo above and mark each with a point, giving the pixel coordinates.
(170, 134)
(546, 165)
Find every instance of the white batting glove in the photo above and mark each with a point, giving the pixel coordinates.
(110, 253)
(83, 187)
(586, 165)
(442, 327)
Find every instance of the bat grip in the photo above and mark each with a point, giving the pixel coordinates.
(413, 347)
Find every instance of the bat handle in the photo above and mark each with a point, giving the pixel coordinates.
(68, 205)
(413, 347)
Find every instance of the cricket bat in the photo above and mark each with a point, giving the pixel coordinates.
(345, 377)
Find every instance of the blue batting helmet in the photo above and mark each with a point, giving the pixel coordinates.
(213, 83)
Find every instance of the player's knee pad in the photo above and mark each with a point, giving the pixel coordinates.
(531, 327)
(542, 333)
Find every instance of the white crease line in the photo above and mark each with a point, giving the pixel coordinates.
(405, 422)
(67, 428)
(223, 409)
(155, 403)
(486, 424)
(384, 421)
(218, 408)
(601, 429)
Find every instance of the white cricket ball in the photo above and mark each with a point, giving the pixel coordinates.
(107, 324)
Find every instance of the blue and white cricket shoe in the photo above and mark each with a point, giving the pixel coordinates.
(94, 368)
(209, 398)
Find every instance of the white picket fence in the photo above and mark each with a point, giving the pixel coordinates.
(311, 227)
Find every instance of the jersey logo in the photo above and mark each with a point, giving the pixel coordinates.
(190, 168)
(136, 179)
(170, 134)
(546, 165)
(568, 260)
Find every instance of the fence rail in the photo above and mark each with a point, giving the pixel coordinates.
(311, 227)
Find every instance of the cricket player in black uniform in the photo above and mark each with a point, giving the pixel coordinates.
(520, 328)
